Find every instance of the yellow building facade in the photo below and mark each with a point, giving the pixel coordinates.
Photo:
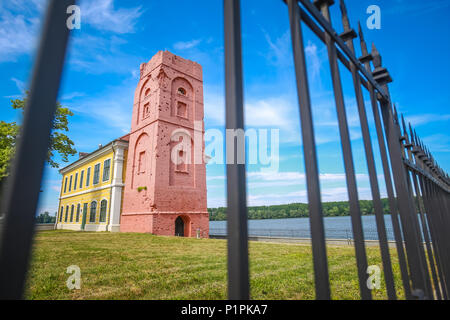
(92, 189)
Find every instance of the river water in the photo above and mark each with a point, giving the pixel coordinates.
(335, 227)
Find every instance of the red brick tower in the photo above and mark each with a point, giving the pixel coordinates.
(165, 184)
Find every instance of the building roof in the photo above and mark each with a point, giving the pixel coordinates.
(89, 156)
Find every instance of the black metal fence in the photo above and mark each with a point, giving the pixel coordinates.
(414, 181)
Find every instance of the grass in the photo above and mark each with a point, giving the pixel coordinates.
(144, 266)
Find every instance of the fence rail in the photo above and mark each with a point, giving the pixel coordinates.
(369, 234)
(415, 183)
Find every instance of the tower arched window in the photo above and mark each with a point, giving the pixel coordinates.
(182, 91)
(182, 165)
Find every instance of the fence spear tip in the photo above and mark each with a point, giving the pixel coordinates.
(360, 33)
(404, 125)
(376, 56)
(343, 7)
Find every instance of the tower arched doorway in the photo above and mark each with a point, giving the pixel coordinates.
(179, 227)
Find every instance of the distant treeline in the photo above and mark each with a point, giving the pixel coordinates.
(299, 210)
(46, 218)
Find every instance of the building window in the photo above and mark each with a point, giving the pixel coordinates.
(88, 176)
(96, 173)
(61, 213)
(81, 179)
(182, 91)
(78, 213)
(103, 206)
(106, 169)
(141, 162)
(93, 210)
(67, 214)
(181, 109)
(71, 213)
(75, 182)
(181, 166)
(146, 110)
(65, 185)
(70, 184)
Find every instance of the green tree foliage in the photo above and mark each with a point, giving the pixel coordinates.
(8, 134)
(60, 143)
(299, 210)
(45, 218)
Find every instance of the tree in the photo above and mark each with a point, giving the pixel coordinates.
(8, 134)
(46, 218)
(59, 142)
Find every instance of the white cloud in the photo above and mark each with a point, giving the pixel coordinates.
(272, 112)
(98, 55)
(417, 120)
(212, 178)
(72, 95)
(214, 106)
(20, 85)
(298, 176)
(20, 24)
(112, 109)
(437, 142)
(17, 35)
(279, 52)
(328, 195)
(183, 45)
(314, 61)
(102, 15)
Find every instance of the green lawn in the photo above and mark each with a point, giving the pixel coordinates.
(144, 266)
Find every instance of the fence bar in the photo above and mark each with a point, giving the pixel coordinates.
(321, 35)
(405, 205)
(23, 186)
(429, 294)
(238, 273)
(439, 238)
(321, 276)
(408, 144)
(348, 36)
(352, 190)
(427, 235)
(438, 224)
(365, 59)
(326, 25)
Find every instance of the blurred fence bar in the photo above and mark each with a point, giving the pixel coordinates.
(23, 185)
(238, 273)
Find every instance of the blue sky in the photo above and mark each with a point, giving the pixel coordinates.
(117, 36)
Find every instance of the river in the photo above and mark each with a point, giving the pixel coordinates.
(335, 227)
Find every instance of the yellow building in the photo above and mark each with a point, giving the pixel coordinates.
(92, 188)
